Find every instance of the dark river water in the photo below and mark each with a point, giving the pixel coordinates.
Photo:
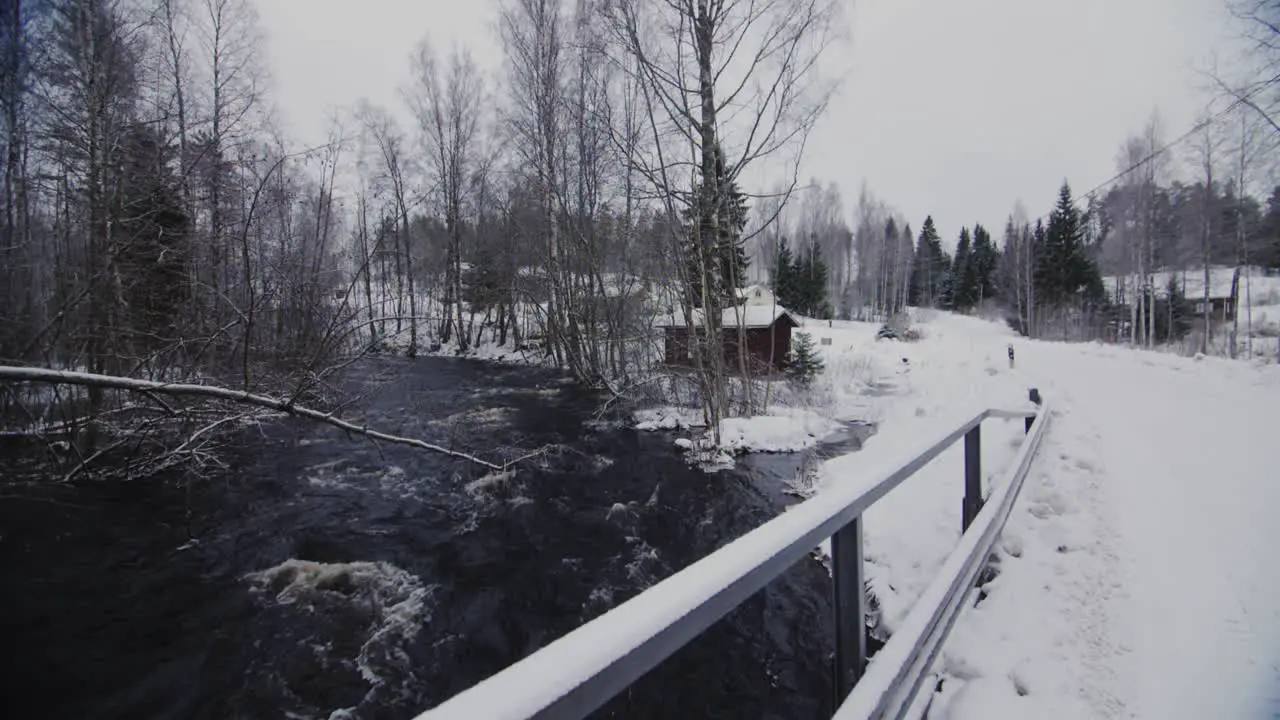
(321, 576)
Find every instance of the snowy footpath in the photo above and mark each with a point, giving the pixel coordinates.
(1139, 574)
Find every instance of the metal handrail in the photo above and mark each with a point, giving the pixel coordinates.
(892, 682)
(584, 669)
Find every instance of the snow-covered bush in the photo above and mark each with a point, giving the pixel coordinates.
(888, 332)
(898, 328)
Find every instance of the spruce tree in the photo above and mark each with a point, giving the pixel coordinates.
(986, 263)
(783, 276)
(732, 249)
(1054, 265)
(1266, 243)
(814, 281)
(1040, 270)
(151, 266)
(804, 364)
(962, 290)
(803, 284)
(800, 281)
(929, 268)
(1065, 270)
(1008, 279)
(1176, 322)
(907, 260)
(716, 253)
(1093, 293)
(940, 269)
(918, 283)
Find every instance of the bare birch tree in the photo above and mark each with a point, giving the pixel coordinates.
(1206, 154)
(227, 33)
(175, 29)
(388, 141)
(1257, 85)
(726, 84)
(1142, 163)
(1250, 145)
(18, 301)
(532, 33)
(448, 108)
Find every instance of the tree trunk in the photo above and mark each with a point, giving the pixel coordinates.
(366, 259)
(709, 222)
(1248, 305)
(1206, 233)
(1235, 314)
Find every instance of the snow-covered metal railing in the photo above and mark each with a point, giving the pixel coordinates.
(581, 671)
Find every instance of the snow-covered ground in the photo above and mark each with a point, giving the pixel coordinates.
(1137, 572)
(784, 429)
(914, 390)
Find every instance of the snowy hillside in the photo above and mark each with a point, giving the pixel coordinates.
(1136, 572)
(1192, 281)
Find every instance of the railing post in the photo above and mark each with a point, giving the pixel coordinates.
(850, 608)
(1035, 398)
(972, 475)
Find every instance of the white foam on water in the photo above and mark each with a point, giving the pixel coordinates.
(399, 607)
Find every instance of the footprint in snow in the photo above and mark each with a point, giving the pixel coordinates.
(1019, 684)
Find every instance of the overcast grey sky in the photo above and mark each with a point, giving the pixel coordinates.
(957, 108)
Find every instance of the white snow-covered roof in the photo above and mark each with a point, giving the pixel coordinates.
(749, 317)
(756, 295)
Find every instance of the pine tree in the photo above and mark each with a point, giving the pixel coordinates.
(902, 270)
(986, 264)
(1177, 324)
(800, 282)
(1093, 293)
(962, 293)
(803, 284)
(814, 281)
(783, 276)
(151, 265)
(1049, 270)
(720, 261)
(803, 362)
(1065, 271)
(940, 262)
(882, 296)
(1057, 268)
(918, 282)
(929, 268)
(1265, 245)
(732, 249)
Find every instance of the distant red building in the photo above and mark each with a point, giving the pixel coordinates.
(1222, 309)
(765, 330)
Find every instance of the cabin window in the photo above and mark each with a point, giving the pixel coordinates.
(1200, 308)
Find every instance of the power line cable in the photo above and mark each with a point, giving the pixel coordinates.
(1092, 192)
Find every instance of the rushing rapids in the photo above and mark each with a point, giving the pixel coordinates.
(327, 577)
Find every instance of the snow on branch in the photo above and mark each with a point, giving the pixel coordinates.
(66, 377)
